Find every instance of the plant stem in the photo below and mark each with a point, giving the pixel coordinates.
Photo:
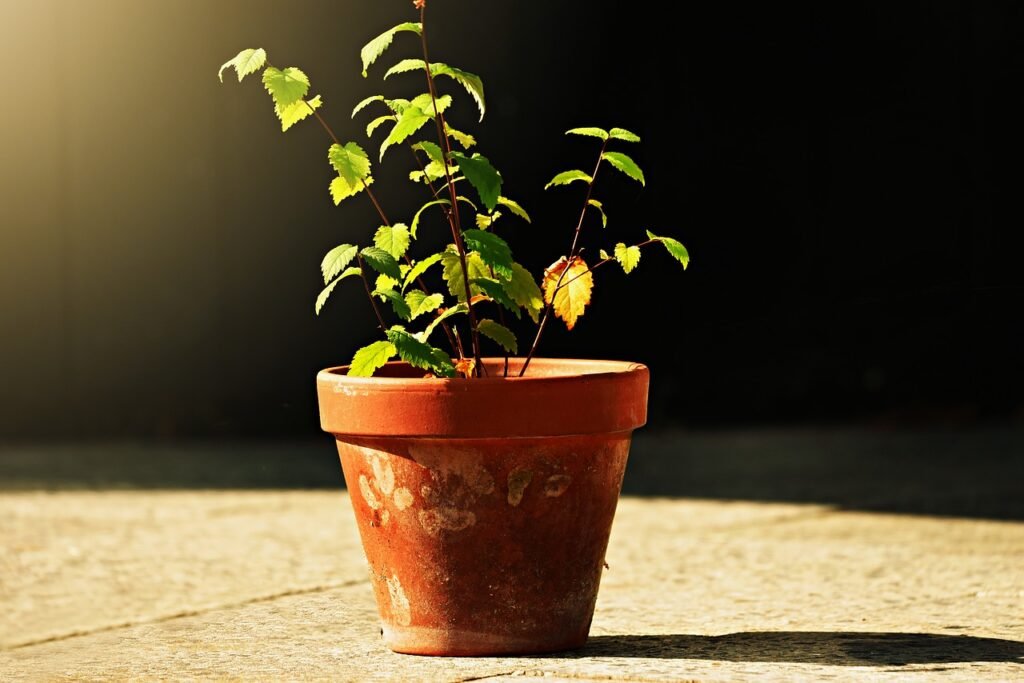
(369, 294)
(572, 254)
(454, 220)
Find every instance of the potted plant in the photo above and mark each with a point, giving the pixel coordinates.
(484, 486)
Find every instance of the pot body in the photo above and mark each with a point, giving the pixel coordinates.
(485, 535)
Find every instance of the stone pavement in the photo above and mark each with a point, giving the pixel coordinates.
(267, 584)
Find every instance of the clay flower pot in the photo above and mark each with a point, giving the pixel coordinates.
(485, 505)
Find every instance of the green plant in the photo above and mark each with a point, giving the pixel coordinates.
(479, 272)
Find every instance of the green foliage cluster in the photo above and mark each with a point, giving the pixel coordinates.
(478, 280)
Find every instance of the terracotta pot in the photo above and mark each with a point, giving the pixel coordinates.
(485, 505)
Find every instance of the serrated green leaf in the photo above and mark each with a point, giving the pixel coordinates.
(623, 134)
(514, 208)
(452, 271)
(420, 302)
(416, 218)
(336, 259)
(322, 298)
(394, 239)
(410, 121)
(441, 317)
(628, 257)
(382, 262)
(397, 106)
(493, 250)
(464, 139)
(600, 207)
(245, 62)
(431, 149)
(397, 302)
(350, 161)
(497, 332)
(385, 282)
(566, 177)
(674, 247)
(363, 104)
(592, 132)
(375, 124)
(341, 190)
(425, 104)
(420, 354)
(482, 176)
(496, 291)
(296, 111)
(371, 358)
(471, 82)
(524, 291)
(405, 66)
(285, 86)
(626, 165)
(419, 268)
(484, 220)
(372, 51)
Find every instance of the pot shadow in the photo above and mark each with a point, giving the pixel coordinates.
(835, 648)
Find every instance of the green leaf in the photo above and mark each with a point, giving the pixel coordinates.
(336, 259)
(393, 239)
(411, 120)
(416, 218)
(397, 106)
(514, 208)
(471, 82)
(464, 139)
(419, 354)
(371, 358)
(441, 317)
(420, 302)
(628, 257)
(397, 302)
(566, 177)
(419, 268)
(493, 250)
(496, 291)
(322, 298)
(366, 103)
(373, 125)
(296, 111)
(245, 62)
(486, 220)
(623, 134)
(425, 104)
(372, 51)
(384, 282)
(500, 334)
(405, 66)
(350, 161)
(592, 132)
(626, 165)
(285, 86)
(524, 291)
(432, 151)
(674, 247)
(600, 207)
(382, 262)
(341, 190)
(452, 271)
(482, 176)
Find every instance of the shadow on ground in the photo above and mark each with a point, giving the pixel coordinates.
(811, 647)
(965, 473)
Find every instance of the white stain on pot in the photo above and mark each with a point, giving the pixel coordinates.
(368, 495)
(447, 462)
(518, 480)
(400, 610)
(440, 519)
(403, 498)
(383, 475)
(556, 485)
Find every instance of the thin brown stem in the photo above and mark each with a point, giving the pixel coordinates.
(369, 294)
(572, 254)
(454, 219)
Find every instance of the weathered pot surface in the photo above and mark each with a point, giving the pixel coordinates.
(485, 505)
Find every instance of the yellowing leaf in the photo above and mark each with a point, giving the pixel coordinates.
(245, 62)
(570, 293)
(341, 189)
(465, 366)
(628, 257)
(285, 86)
(296, 111)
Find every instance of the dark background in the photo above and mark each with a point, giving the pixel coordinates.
(846, 179)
